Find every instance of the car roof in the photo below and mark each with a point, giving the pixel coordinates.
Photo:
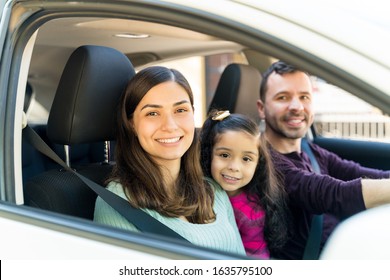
(338, 34)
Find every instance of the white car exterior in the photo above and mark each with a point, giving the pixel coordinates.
(347, 43)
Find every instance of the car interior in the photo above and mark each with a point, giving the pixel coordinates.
(80, 66)
(237, 90)
(90, 86)
(79, 94)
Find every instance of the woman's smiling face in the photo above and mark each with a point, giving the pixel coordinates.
(234, 160)
(164, 122)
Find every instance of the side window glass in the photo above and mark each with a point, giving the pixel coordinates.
(339, 114)
(214, 66)
(203, 74)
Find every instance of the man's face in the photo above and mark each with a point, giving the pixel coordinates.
(287, 109)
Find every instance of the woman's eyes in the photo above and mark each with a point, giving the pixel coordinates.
(182, 110)
(151, 113)
(156, 113)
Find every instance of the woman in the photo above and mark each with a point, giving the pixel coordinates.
(158, 167)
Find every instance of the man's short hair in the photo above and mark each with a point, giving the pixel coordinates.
(280, 68)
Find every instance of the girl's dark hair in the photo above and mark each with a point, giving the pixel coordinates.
(141, 176)
(265, 189)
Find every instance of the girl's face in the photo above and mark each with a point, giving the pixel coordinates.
(234, 160)
(164, 123)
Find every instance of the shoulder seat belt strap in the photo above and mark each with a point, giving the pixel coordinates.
(312, 248)
(137, 217)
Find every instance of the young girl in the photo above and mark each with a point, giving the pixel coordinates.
(158, 168)
(237, 158)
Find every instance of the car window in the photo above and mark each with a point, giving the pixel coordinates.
(203, 74)
(199, 40)
(201, 69)
(339, 114)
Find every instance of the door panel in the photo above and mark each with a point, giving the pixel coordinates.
(367, 153)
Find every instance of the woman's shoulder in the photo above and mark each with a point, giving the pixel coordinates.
(213, 184)
(117, 188)
(219, 192)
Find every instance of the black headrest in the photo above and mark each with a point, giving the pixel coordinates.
(85, 104)
(238, 90)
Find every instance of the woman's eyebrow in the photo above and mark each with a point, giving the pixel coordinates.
(151, 106)
(181, 102)
(159, 106)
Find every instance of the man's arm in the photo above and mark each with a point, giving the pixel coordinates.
(319, 193)
(376, 192)
(344, 169)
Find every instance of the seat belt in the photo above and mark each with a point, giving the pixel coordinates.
(140, 219)
(312, 248)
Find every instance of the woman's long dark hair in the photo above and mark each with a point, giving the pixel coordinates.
(141, 176)
(265, 189)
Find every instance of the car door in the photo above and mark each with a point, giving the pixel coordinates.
(28, 232)
(368, 153)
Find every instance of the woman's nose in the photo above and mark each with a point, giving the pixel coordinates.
(169, 122)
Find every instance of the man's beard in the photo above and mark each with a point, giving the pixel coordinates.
(284, 132)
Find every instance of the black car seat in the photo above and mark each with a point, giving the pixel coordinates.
(32, 160)
(238, 90)
(83, 111)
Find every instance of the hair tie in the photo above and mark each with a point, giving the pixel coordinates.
(220, 115)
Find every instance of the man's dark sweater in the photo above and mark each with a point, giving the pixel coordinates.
(336, 192)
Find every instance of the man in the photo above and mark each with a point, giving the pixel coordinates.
(339, 192)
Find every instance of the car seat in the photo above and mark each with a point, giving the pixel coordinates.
(238, 90)
(83, 111)
(32, 160)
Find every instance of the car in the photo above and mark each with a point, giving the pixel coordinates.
(344, 45)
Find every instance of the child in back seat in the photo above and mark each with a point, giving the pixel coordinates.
(236, 157)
